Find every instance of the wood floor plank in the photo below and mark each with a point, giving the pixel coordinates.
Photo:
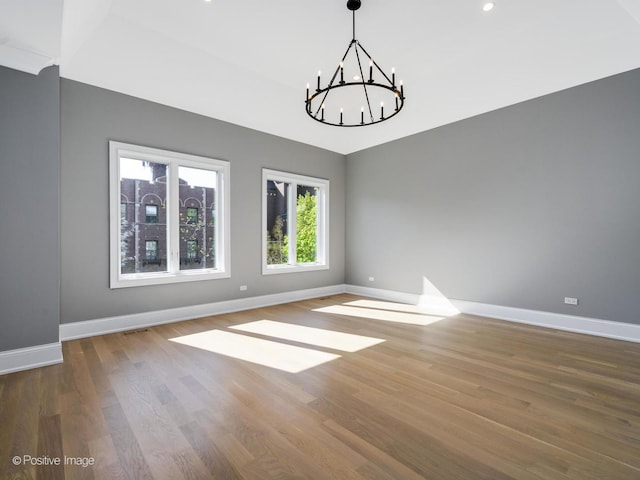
(27, 422)
(214, 460)
(50, 445)
(10, 401)
(132, 461)
(108, 464)
(158, 437)
(463, 397)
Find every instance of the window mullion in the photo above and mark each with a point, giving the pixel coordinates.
(319, 223)
(293, 223)
(173, 220)
(323, 226)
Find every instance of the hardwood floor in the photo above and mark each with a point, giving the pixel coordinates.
(460, 398)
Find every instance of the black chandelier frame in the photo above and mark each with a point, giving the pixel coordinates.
(372, 119)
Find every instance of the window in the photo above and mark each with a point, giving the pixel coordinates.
(151, 242)
(192, 215)
(151, 214)
(151, 255)
(192, 250)
(295, 223)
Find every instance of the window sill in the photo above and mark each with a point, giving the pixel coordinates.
(277, 269)
(139, 280)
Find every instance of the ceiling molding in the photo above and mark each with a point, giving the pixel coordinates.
(30, 32)
(24, 59)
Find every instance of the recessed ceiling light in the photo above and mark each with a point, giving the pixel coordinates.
(488, 6)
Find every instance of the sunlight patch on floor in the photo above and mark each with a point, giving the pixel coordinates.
(277, 355)
(439, 311)
(319, 337)
(383, 315)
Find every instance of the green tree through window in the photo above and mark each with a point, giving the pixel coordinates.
(307, 235)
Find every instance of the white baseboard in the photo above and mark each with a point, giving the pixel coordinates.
(590, 326)
(434, 305)
(43, 355)
(430, 304)
(389, 295)
(30, 357)
(89, 328)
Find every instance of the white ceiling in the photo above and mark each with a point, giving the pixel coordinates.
(248, 62)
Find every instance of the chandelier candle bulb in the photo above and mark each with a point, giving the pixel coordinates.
(371, 71)
(341, 72)
(307, 99)
(393, 77)
(401, 90)
(322, 111)
(381, 110)
(362, 116)
(341, 112)
(396, 102)
(319, 73)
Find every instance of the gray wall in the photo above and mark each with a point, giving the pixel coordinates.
(518, 207)
(91, 117)
(29, 208)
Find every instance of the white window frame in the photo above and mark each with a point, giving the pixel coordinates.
(173, 160)
(322, 262)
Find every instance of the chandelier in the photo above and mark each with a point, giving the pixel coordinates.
(368, 93)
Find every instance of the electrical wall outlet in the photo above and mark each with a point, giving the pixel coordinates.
(570, 301)
(243, 288)
(371, 279)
